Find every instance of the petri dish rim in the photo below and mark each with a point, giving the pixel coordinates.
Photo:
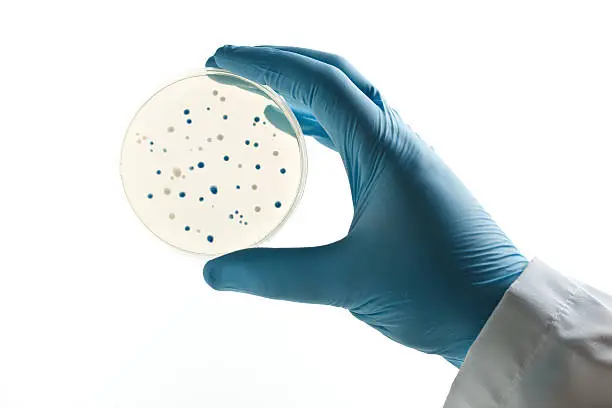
(281, 104)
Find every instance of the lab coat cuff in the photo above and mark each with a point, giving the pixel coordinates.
(520, 324)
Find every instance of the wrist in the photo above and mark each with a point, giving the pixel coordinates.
(494, 292)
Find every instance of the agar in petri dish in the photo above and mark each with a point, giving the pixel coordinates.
(184, 157)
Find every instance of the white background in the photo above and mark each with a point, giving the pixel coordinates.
(96, 312)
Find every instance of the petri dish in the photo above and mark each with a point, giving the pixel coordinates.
(213, 163)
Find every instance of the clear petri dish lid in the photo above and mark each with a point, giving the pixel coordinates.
(213, 163)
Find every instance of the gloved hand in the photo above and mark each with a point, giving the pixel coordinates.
(422, 263)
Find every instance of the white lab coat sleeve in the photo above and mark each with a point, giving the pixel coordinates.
(547, 344)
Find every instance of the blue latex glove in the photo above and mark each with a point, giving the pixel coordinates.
(422, 263)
